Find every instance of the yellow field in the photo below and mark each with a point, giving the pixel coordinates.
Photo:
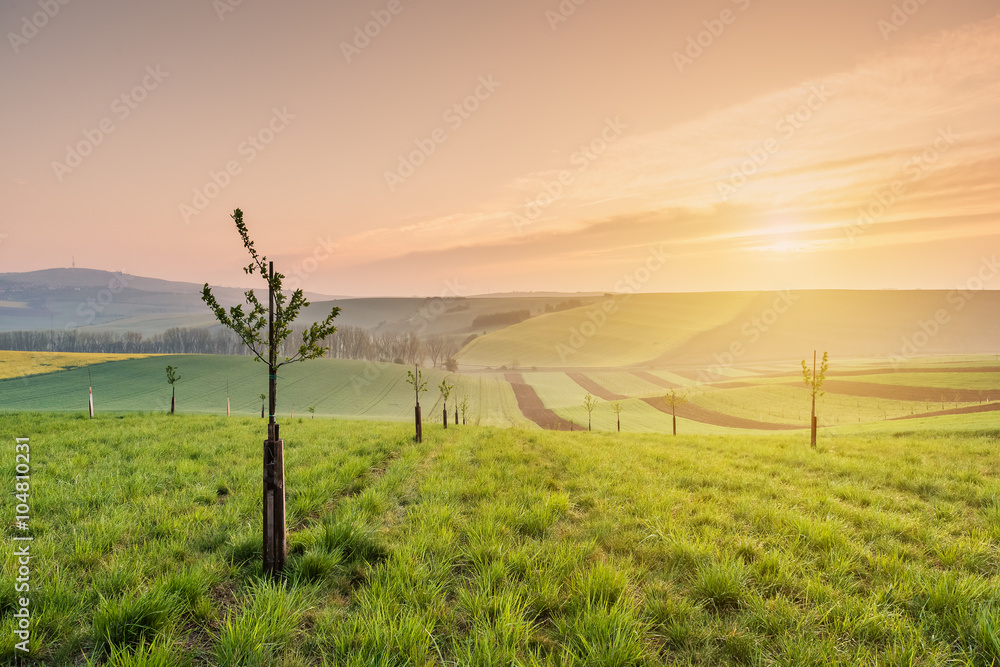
(19, 364)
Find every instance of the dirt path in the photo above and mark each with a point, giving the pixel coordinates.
(706, 416)
(531, 406)
(594, 388)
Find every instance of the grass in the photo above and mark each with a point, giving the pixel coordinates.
(361, 390)
(485, 547)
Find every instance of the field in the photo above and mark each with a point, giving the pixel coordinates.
(20, 364)
(492, 547)
(755, 399)
(727, 330)
(353, 389)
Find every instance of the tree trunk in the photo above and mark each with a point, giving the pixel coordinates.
(812, 419)
(674, 415)
(812, 423)
(619, 424)
(445, 414)
(172, 396)
(275, 547)
(456, 416)
(416, 417)
(274, 458)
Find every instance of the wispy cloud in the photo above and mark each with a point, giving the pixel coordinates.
(804, 177)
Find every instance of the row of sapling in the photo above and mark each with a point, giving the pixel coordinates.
(672, 400)
(263, 330)
(813, 379)
(415, 379)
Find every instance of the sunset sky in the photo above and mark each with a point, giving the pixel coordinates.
(505, 145)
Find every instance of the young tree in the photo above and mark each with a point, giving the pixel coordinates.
(617, 407)
(814, 382)
(172, 377)
(673, 399)
(312, 411)
(464, 405)
(263, 331)
(445, 389)
(415, 378)
(589, 403)
(263, 406)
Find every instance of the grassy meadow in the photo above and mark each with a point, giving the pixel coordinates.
(487, 546)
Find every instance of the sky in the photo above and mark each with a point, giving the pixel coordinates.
(439, 147)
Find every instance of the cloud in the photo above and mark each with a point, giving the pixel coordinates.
(787, 171)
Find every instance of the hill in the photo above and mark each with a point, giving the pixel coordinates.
(92, 300)
(722, 331)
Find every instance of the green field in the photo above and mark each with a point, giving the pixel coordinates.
(378, 391)
(505, 547)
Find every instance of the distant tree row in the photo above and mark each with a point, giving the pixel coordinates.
(345, 343)
(172, 341)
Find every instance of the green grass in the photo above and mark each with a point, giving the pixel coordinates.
(487, 547)
(341, 388)
(360, 390)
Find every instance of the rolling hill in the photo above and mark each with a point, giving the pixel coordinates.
(718, 332)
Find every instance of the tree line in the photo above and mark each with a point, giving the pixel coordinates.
(346, 343)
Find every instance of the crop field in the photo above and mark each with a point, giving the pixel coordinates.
(762, 398)
(487, 546)
(19, 364)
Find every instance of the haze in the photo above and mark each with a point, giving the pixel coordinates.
(751, 145)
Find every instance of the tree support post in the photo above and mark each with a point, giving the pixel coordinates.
(812, 422)
(274, 503)
(420, 430)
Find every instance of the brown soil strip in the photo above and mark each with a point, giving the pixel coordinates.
(887, 371)
(989, 407)
(531, 406)
(706, 416)
(903, 393)
(594, 388)
(658, 381)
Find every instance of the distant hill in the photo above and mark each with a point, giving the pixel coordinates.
(95, 300)
(736, 328)
(102, 300)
